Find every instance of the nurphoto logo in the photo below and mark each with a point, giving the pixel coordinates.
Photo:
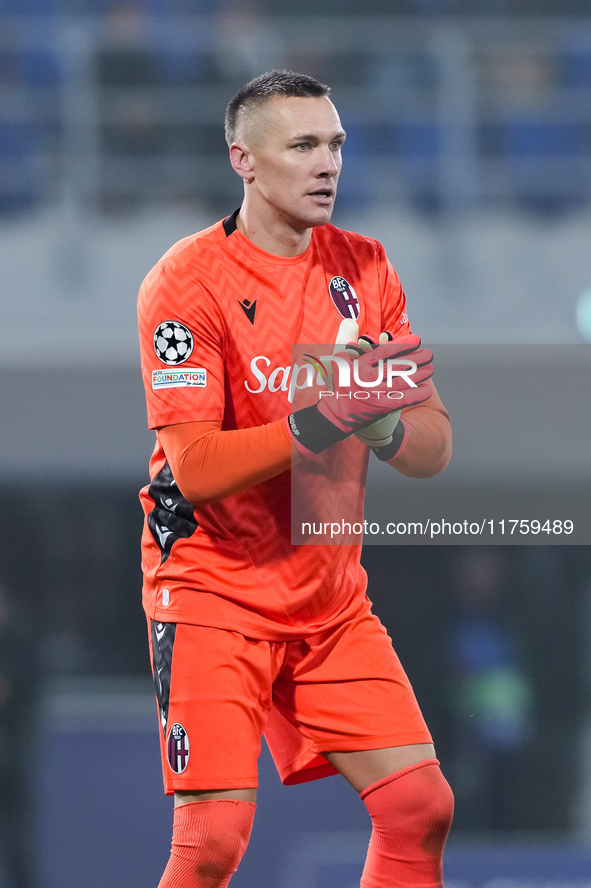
(391, 367)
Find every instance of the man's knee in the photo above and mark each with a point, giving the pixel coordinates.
(413, 805)
(209, 839)
(219, 852)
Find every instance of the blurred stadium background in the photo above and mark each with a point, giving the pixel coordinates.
(469, 156)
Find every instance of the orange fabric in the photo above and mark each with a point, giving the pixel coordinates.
(411, 813)
(230, 563)
(227, 690)
(208, 281)
(426, 449)
(209, 464)
(208, 841)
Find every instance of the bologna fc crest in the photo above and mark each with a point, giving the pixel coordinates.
(344, 298)
(177, 749)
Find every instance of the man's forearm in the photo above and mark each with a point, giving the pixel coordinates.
(427, 445)
(209, 464)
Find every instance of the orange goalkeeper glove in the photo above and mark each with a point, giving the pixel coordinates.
(360, 396)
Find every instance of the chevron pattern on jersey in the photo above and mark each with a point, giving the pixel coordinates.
(173, 516)
(242, 557)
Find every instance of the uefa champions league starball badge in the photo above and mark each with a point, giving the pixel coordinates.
(173, 343)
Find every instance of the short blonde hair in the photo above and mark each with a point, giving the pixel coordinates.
(264, 87)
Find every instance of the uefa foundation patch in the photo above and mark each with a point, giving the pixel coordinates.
(166, 379)
(177, 749)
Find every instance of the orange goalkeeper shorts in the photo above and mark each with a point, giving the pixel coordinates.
(219, 692)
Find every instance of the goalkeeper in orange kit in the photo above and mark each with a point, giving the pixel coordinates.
(250, 634)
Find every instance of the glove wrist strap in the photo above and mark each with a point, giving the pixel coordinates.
(314, 431)
(389, 451)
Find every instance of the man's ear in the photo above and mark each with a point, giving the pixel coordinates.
(240, 160)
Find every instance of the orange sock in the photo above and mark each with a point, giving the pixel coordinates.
(411, 812)
(208, 841)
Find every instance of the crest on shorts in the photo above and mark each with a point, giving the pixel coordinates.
(344, 298)
(177, 748)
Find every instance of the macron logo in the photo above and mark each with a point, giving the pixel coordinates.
(249, 309)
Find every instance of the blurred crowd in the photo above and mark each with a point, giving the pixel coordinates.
(494, 639)
(448, 114)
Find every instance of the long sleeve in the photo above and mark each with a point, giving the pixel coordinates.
(209, 464)
(426, 448)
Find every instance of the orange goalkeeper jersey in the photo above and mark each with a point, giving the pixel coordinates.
(218, 318)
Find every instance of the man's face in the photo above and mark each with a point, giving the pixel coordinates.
(294, 148)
